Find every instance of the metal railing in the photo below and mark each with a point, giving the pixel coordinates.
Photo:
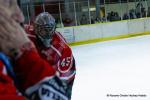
(82, 13)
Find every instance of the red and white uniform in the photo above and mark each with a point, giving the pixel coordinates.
(36, 78)
(59, 55)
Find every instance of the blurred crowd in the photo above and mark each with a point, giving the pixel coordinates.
(139, 12)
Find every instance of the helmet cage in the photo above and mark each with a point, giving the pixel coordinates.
(45, 25)
(45, 31)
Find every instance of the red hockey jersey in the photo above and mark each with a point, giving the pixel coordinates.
(59, 55)
(35, 78)
(7, 89)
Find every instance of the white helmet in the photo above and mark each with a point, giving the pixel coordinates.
(45, 27)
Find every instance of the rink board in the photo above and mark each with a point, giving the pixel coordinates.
(105, 31)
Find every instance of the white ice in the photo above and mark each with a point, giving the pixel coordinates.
(119, 67)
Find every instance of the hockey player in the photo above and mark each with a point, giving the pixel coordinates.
(34, 77)
(54, 49)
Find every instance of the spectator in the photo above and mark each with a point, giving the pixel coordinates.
(132, 14)
(84, 20)
(68, 21)
(116, 16)
(125, 16)
(97, 20)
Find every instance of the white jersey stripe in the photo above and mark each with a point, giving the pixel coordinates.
(67, 77)
(56, 50)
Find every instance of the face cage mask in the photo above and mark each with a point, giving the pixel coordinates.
(45, 34)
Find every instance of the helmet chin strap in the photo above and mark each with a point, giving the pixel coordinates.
(46, 42)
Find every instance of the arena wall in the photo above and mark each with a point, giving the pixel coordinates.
(105, 31)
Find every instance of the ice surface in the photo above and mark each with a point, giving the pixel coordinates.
(118, 67)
